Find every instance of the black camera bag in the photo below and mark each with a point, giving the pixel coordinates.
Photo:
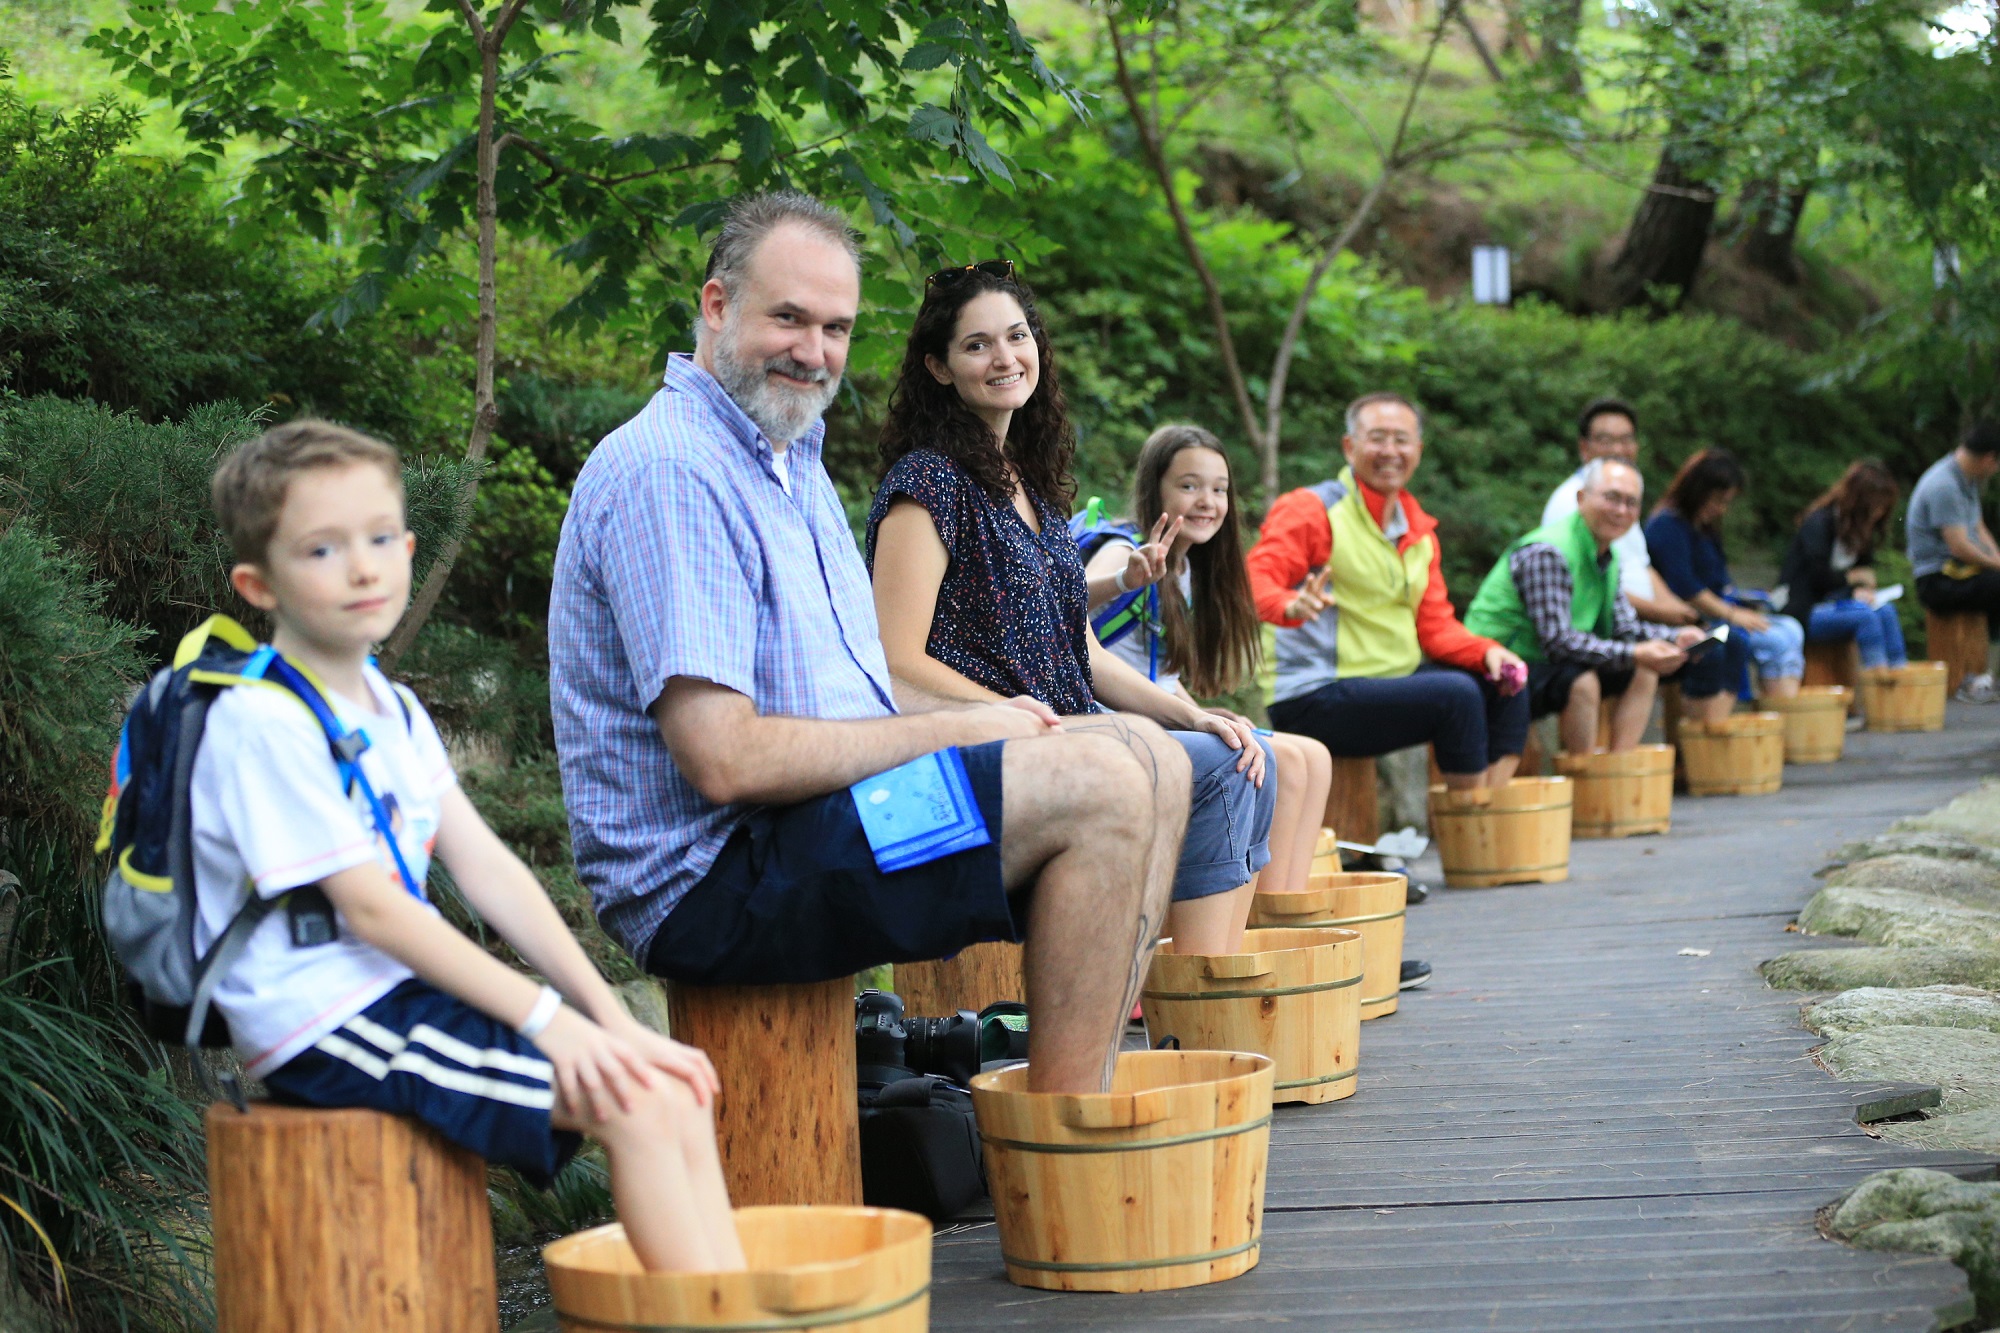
(920, 1147)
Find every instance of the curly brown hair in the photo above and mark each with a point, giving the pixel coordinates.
(1862, 501)
(924, 414)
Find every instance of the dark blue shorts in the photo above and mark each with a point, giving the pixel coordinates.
(430, 1056)
(1464, 715)
(795, 896)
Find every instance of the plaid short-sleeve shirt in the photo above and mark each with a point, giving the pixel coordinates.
(683, 555)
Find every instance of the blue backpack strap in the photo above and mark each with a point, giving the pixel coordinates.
(1128, 610)
(348, 747)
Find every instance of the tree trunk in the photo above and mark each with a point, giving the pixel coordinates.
(1772, 229)
(485, 412)
(1664, 245)
(1561, 26)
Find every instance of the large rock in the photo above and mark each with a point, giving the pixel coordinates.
(1925, 1006)
(1898, 916)
(1929, 1212)
(1972, 882)
(1845, 969)
(1975, 816)
(1967, 1131)
(1964, 1063)
(1942, 846)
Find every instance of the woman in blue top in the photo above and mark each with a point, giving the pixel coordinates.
(980, 591)
(1684, 538)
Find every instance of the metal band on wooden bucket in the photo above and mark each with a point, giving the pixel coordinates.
(1336, 921)
(1499, 809)
(1134, 1265)
(1285, 1085)
(817, 1319)
(1250, 994)
(1129, 1145)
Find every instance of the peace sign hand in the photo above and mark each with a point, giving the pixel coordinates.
(1147, 564)
(1311, 599)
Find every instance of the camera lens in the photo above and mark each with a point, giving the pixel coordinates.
(947, 1047)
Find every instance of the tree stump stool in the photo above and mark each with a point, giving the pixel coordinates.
(1837, 664)
(345, 1220)
(1352, 808)
(973, 978)
(1957, 639)
(787, 1122)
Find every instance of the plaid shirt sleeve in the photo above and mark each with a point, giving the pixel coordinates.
(683, 601)
(1545, 586)
(1626, 624)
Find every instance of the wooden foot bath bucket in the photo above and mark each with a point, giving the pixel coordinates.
(1815, 723)
(1371, 902)
(1620, 793)
(1742, 755)
(1516, 834)
(1904, 698)
(1156, 1184)
(1294, 995)
(857, 1270)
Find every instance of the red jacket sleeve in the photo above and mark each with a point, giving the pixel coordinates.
(1439, 633)
(1295, 540)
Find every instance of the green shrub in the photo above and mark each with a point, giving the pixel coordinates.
(129, 499)
(122, 281)
(66, 671)
(106, 1159)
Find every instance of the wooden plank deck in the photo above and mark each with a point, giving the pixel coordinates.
(1575, 1126)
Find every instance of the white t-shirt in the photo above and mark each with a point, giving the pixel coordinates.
(269, 811)
(1136, 648)
(1634, 563)
(781, 463)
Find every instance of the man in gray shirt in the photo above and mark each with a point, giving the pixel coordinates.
(1952, 552)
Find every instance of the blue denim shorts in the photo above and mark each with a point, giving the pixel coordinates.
(796, 897)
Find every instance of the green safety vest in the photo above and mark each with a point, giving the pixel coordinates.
(1497, 611)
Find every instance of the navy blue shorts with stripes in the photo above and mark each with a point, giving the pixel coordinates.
(430, 1056)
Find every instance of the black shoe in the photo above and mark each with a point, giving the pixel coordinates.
(1415, 974)
(1414, 893)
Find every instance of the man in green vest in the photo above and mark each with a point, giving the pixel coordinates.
(1554, 598)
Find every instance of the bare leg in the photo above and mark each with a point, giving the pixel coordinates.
(1305, 773)
(1501, 771)
(666, 1180)
(1714, 708)
(1465, 781)
(1634, 709)
(1213, 924)
(1780, 687)
(1579, 716)
(1094, 822)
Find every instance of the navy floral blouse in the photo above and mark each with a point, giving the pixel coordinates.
(1011, 613)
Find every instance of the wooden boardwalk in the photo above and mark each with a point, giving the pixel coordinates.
(1576, 1126)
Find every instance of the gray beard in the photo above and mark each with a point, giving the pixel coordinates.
(782, 414)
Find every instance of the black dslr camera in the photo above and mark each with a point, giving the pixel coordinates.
(898, 1047)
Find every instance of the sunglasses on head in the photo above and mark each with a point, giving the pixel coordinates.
(946, 278)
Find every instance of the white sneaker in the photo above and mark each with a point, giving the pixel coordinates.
(1977, 689)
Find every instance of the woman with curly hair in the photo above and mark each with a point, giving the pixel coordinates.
(981, 593)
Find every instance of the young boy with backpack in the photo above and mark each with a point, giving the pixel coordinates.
(352, 990)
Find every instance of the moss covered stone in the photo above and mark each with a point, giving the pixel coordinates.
(1933, 844)
(1966, 1131)
(1925, 1006)
(1964, 1063)
(1975, 816)
(1929, 1212)
(1845, 969)
(1973, 883)
(1898, 916)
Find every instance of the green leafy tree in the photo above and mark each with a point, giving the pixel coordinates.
(414, 132)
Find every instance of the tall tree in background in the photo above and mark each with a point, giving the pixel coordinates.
(1169, 59)
(410, 132)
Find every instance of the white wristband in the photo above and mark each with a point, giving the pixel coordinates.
(1118, 581)
(544, 1012)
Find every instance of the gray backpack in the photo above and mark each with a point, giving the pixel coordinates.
(148, 827)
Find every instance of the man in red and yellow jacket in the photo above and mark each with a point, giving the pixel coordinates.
(1370, 656)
